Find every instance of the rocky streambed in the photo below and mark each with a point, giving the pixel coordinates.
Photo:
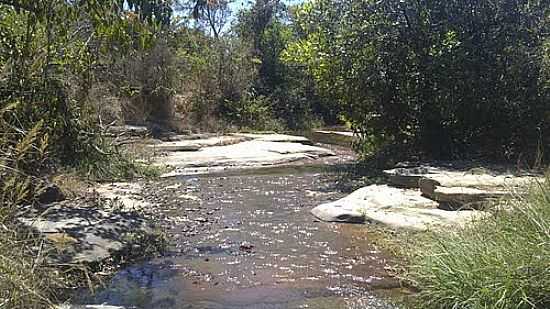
(250, 242)
(249, 219)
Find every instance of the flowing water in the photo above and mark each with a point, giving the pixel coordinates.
(249, 241)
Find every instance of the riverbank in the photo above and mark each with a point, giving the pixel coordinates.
(235, 209)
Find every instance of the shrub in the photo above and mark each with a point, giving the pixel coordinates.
(454, 79)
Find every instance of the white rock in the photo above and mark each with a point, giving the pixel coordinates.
(356, 206)
(126, 194)
(197, 144)
(246, 154)
(421, 219)
(84, 234)
(69, 306)
(280, 138)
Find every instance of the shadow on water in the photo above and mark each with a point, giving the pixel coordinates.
(249, 241)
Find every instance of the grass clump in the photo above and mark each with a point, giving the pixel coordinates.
(25, 280)
(500, 262)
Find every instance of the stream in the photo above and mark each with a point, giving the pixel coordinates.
(249, 241)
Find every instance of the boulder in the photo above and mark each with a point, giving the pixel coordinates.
(359, 205)
(339, 212)
(49, 194)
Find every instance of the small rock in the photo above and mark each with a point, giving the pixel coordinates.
(246, 246)
(201, 219)
(50, 194)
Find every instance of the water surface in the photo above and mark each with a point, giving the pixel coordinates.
(249, 241)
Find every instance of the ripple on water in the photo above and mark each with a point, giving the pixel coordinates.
(294, 261)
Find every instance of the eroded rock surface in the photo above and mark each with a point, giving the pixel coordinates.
(425, 196)
(278, 138)
(243, 155)
(197, 144)
(84, 234)
(396, 207)
(124, 195)
(409, 177)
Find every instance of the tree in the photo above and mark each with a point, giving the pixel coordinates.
(449, 78)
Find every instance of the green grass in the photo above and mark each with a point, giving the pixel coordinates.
(500, 262)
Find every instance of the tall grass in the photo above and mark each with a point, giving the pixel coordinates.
(25, 280)
(500, 262)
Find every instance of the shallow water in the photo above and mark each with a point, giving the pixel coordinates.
(250, 242)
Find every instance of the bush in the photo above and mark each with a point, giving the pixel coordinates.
(452, 79)
(501, 262)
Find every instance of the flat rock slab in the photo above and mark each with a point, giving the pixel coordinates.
(280, 138)
(343, 138)
(197, 144)
(461, 188)
(242, 155)
(125, 195)
(67, 306)
(420, 219)
(465, 195)
(84, 234)
(128, 130)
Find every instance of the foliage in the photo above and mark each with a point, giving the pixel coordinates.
(289, 89)
(500, 262)
(49, 54)
(450, 78)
